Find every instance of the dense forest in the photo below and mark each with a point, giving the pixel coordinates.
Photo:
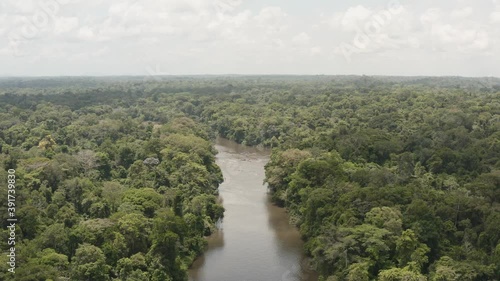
(104, 194)
(387, 178)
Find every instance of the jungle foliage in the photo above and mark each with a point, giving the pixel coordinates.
(387, 178)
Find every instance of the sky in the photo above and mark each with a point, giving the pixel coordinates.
(189, 37)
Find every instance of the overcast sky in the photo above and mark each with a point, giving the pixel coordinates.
(148, 37)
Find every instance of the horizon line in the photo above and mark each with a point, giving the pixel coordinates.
(240, 75)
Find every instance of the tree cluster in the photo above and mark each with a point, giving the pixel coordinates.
(388, 178)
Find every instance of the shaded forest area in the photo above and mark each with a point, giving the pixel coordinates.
(387, 178)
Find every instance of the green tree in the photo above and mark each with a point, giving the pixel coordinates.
(89, 264)
(400, 274)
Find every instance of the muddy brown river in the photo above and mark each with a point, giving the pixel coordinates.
(255, 242)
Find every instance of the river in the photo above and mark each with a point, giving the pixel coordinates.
(255, 242)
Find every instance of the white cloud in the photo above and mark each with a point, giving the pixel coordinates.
(372, 31)
(4, 23)
(224, 6)
(6, 51)
(224, 36)
(24, 7)
(270, 15)
(85, 33)
(450, 32)
(353, 17)
(65, 24)
(301, 38)
(316, 50)
(272, 18)
(431, 16)
(495, 15)
(462, 13)
(480, 42)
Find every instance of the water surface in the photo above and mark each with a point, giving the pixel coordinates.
(255, 241)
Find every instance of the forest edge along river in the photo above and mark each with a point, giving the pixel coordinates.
(255, 241)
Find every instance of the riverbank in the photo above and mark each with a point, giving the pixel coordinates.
(255, 241)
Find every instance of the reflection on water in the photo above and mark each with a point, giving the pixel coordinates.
(255, 242)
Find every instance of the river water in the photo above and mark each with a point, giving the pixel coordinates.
(255, 242)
